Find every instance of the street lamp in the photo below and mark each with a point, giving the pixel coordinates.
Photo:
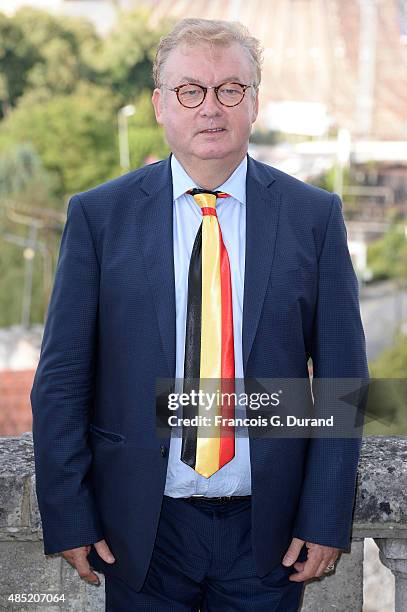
(343, 152)
(122, 120)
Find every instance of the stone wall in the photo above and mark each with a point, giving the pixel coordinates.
(380, 512)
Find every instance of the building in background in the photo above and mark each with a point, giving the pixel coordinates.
(19, 354)
(347, 56)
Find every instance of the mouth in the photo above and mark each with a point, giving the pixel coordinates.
(217, 130)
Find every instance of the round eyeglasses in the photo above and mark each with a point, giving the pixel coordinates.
(192, 95)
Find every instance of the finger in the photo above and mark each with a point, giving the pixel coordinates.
(315, 551)
(85, 572)
(308, 571)
(293, 551)
(68, 559)
(299, 566)
(323, 565)
(91, 577)
(72, 555)
(319, 554)
(104, 551)
(320, 571)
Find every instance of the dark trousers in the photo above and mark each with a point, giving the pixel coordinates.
(202, 560)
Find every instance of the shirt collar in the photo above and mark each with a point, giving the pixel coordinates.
(235, 185)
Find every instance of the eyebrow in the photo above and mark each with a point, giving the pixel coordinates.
(189, 79)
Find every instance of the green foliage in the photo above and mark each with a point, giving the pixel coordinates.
(146, 139)
(144, 115)
(265, 137)
(17, 57)
(70, 91)
(146, 143)
(24, 180)
(25, 189)
(351, 208)
(392, 363)
(327, 180)
(61, 87)
(74, 135)
(62, 46)
(12, 274)
(387, 256)
(40, 27)
(11, 282)
(127, 55)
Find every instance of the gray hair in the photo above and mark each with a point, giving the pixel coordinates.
(215, 32)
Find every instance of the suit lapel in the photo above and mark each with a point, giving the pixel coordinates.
(262, 212)
(154, 219)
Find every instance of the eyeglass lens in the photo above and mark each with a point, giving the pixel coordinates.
(228, 94)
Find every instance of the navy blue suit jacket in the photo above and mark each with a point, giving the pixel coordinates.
(110, 332)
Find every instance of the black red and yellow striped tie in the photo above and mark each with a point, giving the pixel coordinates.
(209, 348)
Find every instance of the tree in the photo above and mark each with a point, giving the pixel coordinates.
(61, 87)
(146, 138)
(27, 196)
(75, 135)
(128, 53)
(17, 57)
(392, 363)
(24, 180)
(42, 51)
(62, 45)
(387, 256)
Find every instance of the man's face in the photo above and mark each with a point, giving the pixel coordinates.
(185, 127)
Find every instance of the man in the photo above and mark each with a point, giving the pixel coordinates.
(169, 532)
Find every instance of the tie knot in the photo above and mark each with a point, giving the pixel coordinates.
(207, 199)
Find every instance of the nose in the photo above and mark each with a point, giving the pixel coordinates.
(210, 107)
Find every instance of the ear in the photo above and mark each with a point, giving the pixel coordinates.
(156, 100)
(255, 107)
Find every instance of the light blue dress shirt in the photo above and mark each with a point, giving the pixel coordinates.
(234, 478)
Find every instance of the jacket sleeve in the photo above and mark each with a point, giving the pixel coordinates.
(338, 352)
(62, 393)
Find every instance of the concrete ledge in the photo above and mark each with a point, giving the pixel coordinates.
(380, 512)
(381, 500)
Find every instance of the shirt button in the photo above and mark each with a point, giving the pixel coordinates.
(163, 450)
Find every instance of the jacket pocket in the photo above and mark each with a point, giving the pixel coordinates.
(108, 436)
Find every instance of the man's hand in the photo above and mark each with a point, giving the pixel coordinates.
(318, 559)
(78, 558)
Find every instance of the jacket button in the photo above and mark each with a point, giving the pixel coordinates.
(163, 451)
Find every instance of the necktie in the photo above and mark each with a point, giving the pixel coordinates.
(209, 348)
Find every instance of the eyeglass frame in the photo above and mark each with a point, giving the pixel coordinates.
(205, 91)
